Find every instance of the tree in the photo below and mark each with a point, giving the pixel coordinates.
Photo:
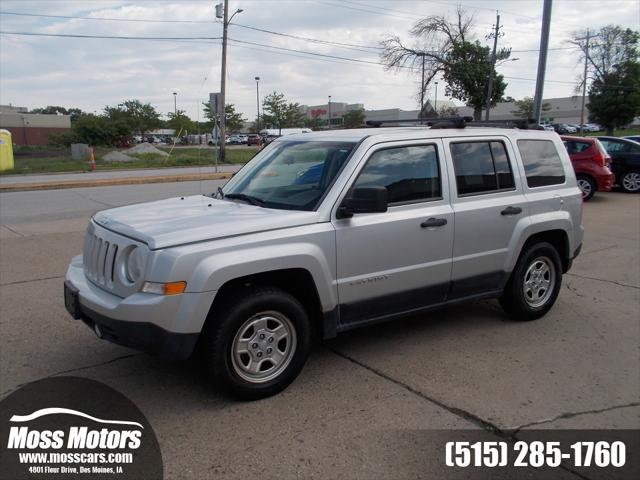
(465, 65)
(277, 113)
(234, 121)
(179, 121)
(612, 62)
(614, 100)
(140, 117)
(353, 118)
(56, 109)
(467, 73)
(524, 107)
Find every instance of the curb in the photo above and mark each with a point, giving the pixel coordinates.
(191, 177)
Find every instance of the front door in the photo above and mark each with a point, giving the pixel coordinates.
(400, 260)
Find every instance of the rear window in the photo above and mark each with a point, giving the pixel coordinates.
(541, 161)
(481, 167)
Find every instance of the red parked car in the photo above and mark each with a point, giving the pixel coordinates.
(591, 163)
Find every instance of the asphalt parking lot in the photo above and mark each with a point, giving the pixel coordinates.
(346, 416)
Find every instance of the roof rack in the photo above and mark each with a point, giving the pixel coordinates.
(457, 122)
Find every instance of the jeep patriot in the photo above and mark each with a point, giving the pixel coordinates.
(328, 231)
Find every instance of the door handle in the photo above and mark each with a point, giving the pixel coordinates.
(511, 211)
(434, 222)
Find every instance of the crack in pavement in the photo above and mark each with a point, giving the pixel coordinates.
(77, 369)
(88, 197)
(603, 280)
(507, 434)
(17, 282)
(573, 414)
(12, 230)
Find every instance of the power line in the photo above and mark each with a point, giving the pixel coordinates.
(110, 37)
(150, 20)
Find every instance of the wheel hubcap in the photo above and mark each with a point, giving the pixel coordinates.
(539, 280)
(585, 186)
(631, 182)
(263, 347)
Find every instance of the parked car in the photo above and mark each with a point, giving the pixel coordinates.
(591, 163)
(249, 273)
(635, 138)
(590, 127)
(548, 127)
(269, 138)
(235, 140)
(254, 139)
(563, 128)
(625, 162)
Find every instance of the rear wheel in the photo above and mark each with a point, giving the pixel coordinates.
(630, 181)
(534, 284)
(587, 185)
(257, 342)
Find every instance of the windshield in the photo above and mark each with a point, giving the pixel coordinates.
(291, 175)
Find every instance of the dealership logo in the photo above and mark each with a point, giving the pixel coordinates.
(69, 426)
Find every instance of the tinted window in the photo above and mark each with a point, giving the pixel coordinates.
(408, 173)
(542, 163)
(481, 167)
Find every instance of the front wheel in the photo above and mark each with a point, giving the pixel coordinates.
(257, 342)
(630, 181)
(534, 284)
(587, 187)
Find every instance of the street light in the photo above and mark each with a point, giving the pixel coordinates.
(175, 104)
(435, 103)
(329, 111)
(258, 104)
(223, 74)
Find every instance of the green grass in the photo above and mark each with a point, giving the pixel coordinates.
(617, 133)
(50, 160)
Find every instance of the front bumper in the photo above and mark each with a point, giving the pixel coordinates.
(166, 325)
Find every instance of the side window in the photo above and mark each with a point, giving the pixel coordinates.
(580, 146)
(481, 167)
(409, 173)
(542, 164)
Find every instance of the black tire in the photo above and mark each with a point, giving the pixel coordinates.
(222, 331)
(587, 186)
(629, 181)
(518, 304)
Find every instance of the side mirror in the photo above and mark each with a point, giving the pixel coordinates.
(364, 200)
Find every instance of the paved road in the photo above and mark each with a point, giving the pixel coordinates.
(362, 401)
(103, 175)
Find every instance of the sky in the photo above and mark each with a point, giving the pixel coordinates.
(36, 71)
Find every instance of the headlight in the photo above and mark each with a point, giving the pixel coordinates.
(134, 264)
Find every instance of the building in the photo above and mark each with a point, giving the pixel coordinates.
(32, 129)
(337, 109)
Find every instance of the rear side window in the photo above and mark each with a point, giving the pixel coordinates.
(410, 174)
(542, 163)
(481, 167)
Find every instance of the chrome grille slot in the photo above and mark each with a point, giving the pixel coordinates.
(101, 256)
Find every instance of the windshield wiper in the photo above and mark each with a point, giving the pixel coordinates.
(247, 198)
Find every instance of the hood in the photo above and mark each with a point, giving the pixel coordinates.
(181, 220)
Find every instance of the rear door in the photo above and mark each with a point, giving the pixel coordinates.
(399, 260)
(488, 203)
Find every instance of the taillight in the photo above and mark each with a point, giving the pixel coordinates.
(602, 157)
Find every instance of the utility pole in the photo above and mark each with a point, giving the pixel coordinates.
(258, 104)
(223, 74)
(223, 80)
(329, 105)
(175, 104)
(495, 34)
(435, 104)
(422, 88)
(542, 60)
(584, 80)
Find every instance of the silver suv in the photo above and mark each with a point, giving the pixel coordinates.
(329, 231)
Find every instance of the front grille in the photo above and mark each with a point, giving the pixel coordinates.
(100, 259)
